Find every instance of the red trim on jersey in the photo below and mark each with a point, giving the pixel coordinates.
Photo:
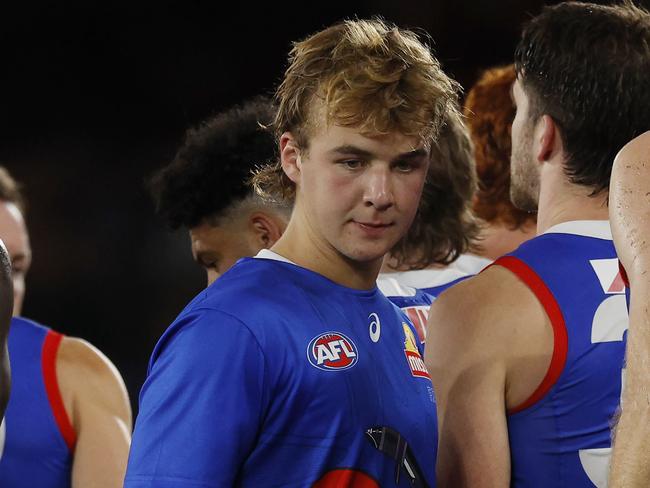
(621, 270)
(560, 337)
(48, 364)
(346, 478)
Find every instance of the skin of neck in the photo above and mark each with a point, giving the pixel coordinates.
(498, 239)
(562, 201)
(303, 244)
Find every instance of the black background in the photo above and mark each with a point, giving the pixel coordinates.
(95, 96)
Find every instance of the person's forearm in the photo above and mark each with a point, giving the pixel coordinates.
(631, 458)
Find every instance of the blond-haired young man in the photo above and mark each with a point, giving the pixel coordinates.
(293, 369)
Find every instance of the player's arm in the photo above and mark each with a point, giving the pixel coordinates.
(98, 406)
(6, 308)
(630, 218)
(473, 344)
(201, 407)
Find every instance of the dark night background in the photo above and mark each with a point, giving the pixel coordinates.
(97, 96)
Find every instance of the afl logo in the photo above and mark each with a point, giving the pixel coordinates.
(332, 351)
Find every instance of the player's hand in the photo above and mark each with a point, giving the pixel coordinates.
(629, 207)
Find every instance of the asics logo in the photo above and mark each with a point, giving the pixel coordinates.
(375, 327)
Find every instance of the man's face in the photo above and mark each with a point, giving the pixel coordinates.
(524, 172)
(14, 234)
(217, 247)
(359, 194)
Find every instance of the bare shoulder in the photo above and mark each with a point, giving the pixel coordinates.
(87, 376)
(637, 148)
(490, 298)
(482, 317)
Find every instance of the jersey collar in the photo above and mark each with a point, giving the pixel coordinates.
(268, 254)
(598, 229)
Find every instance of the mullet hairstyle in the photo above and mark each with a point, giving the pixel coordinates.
(373, 76)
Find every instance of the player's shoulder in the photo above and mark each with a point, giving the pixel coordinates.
(251, 280)
(491, 297)
(82, 354)
(24, 324)
(481, 318)
(637, 149)
(484, 290)
(85, 362)
(86, 375)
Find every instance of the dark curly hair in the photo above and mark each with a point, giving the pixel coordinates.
(489, 112)
(588, 67)
(211, 170)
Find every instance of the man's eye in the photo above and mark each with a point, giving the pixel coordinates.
(352, 163)
(404, 166)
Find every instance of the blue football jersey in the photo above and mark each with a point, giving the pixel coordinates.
(413, 302)
(276, 376)
(560, 436)
(414, 291)
(38, 436)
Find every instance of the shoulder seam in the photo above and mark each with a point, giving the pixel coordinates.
(552, 309)
(48, 366)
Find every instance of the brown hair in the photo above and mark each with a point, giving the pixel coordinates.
(366, 74)
(587, 66)
(444, 226)
(489, 111)
(10, 190)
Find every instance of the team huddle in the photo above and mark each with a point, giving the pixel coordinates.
(406, 287)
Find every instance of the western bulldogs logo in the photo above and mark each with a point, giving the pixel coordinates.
(332, 351)
(413, 358)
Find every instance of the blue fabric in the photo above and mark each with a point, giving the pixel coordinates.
(272, 377)
(563, 439)
(416, 307)
(35, 454)
(435, 291)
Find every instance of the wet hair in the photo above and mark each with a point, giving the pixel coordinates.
(588, 67)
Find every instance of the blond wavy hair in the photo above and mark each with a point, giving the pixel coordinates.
(379, 79)
(366, 74)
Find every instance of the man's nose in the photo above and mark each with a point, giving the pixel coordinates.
(378, 191)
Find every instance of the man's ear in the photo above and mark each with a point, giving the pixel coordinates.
(290, 156)
(548, 139)
(265, 229)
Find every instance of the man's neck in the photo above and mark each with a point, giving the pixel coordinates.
(561, 201)
(498, 239)
(301, 246)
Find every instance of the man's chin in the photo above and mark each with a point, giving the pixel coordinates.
(369, 254)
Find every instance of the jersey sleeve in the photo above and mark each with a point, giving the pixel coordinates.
(201, 405)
